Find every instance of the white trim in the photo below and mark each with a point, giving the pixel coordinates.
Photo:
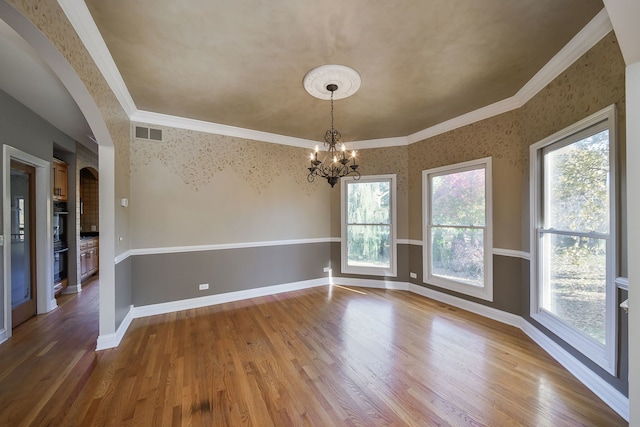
(3, 335)
(75, 289)
(609, 395)
(188, 304)
(483, 113)
(580, 44)
(113, 339)
(512, 253)
(415, 242)
(403, 241)
(622, 283)
(222, 246)
(371, 283)
(392, 270)
(124, 255)
(45, 300)
(80, 18)
(484, 292)
(473, 307)
(604, 356)
(398, 141)
(149, 117)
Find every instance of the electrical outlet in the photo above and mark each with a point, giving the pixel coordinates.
(413, 275)
(327, 269)
(203, 286)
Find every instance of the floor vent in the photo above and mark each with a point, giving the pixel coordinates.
(150, 134)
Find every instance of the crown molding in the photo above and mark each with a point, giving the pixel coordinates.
(158, 119)
(465, 119)
(82, 21)
(591, 34)
(378, 143)
(79, 16)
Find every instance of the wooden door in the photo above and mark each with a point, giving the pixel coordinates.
(59, 181)
(23, 243)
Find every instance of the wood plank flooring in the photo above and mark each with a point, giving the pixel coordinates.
(327, 356)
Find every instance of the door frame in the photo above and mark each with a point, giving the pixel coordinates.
(45, 300)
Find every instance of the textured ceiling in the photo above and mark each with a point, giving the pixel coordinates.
(241, 63)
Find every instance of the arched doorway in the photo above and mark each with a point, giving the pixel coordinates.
(76, 87)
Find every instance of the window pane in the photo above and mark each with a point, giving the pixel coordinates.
(458, 198)
(575, 285)
(369, 245)
(368, 203)
(458, 254)
(577, 185)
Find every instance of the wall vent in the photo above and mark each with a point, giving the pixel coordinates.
(150, 134)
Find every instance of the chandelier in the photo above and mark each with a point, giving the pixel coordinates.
(336, 162)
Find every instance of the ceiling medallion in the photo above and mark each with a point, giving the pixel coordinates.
(332, 82)
(347, 79)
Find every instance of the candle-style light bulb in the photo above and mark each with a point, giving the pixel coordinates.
(335, 159)
(311, 156)
(343, 147)
(316, 148)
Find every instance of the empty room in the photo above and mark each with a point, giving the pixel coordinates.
(280, 213)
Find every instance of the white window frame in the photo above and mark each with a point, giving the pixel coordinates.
(372, 271)
(604, 356)
(483, 292)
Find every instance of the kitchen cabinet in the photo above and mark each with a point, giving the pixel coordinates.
(59, 180)
(89, 257)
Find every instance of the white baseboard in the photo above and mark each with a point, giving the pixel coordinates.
(113, 340)
(75, 289)
(609, 395)
(187, 304)
(371, 283)
(473, 307)
(3, 335)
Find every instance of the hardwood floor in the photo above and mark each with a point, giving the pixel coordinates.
(328, 356)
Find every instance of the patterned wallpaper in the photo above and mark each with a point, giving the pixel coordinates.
(196, 158)
(378, 161)
(593, 82)
(497, 137)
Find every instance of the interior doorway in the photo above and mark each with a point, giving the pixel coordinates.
(23, 243)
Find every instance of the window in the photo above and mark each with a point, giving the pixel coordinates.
(573, 236)
(457, 228)
(369, 225)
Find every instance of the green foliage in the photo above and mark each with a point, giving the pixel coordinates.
(369, 223)
(459, 198)
(578, 185)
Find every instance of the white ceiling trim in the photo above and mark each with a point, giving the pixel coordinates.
(80, 17)
(78, 14)
(158, 119)
(591, 34)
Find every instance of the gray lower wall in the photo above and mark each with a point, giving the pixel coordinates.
(507, 272)
(123, 296)
(169, 277)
